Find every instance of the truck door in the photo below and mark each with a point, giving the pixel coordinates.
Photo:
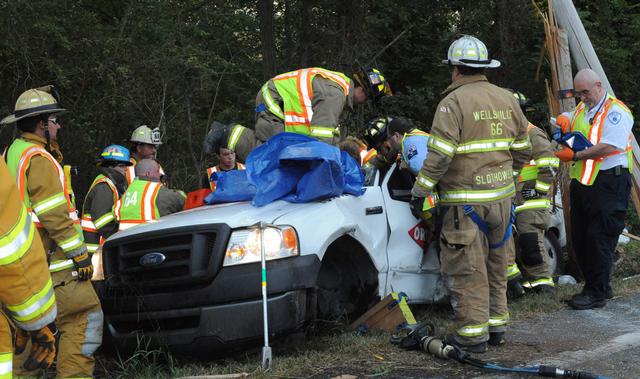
(411, 270)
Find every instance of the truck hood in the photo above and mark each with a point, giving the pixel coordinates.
(235, 215)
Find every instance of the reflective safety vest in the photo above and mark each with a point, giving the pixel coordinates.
(90, 227)
(138, 204)
(296, 90)
(26, 288)
(211, 170)
(367, 155)
(587, 170)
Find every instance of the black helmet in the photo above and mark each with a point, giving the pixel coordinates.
(376, 132)
(374, 83)
(526, 104)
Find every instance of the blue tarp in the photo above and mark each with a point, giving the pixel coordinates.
(294, 168)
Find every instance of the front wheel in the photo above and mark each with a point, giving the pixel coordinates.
(554, 252)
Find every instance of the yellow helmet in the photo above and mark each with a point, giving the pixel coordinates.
(144, 134)
(42, 100)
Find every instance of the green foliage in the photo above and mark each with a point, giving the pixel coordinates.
(180, 64)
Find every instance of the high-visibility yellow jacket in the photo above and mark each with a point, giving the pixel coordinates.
(26, 289)
(146, 201)
(98, 221)
(309, 101)
(539, 172)
(43, 189)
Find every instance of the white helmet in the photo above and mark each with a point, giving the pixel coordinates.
(144, 134)
(471, 52)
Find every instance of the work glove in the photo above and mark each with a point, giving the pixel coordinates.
(416, 206)
(43, 346)
(566, 154)
(529, 193)
(83, 266)
(563, 123)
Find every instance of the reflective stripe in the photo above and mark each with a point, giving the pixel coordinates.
(534, 204)
(124, 225)
(35, 306)
(87, 224)
(547, 161)
(104, 220)
(71, 243)
(512, 271)
(17, 241)
(486, 145)
(49, 203)
(464, 196)
(499, 320)
(92, 247)
(425, 181)
(521, 144)
(474, 330)
(325, 132)
(542, 186)
(236, 132)
(542, 281)
(6, 365)
(271, 104)
(60, 265)
(148, 206)
(93, 333)
(442, 146)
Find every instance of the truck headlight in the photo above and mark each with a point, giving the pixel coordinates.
(244, 245)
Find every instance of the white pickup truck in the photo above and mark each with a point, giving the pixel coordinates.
(191, 281)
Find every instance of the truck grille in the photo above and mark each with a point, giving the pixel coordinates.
(189, 256)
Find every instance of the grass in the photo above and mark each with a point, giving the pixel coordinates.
(338, 351)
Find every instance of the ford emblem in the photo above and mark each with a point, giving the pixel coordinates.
(152, 259)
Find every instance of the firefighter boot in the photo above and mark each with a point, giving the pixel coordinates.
(514, 289)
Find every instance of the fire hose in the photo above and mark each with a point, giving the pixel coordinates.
(421, 337)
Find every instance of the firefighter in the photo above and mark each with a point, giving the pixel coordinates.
(26, 289)
(286, 103)
(533, 213)
(379, 153)
(146, 199)
(34, 161)
(478, 141)
(98, 222)
(144, 145)
(227, 162)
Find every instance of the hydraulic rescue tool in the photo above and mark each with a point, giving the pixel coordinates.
(420, 337)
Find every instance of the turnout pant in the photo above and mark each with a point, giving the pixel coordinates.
(79, 321)
(475, 274)
(533, 257)
(597, 219)
(6, 347)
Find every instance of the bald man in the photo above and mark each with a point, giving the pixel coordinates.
(600, 183)
(146, 199)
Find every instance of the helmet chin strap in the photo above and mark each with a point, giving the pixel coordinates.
(47, 136)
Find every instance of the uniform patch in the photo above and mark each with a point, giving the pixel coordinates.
(445, 109)
(412, 151)
(614, 117)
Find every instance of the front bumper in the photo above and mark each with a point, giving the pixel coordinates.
(210, 331)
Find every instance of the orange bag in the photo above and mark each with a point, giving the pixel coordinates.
(195, 198)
